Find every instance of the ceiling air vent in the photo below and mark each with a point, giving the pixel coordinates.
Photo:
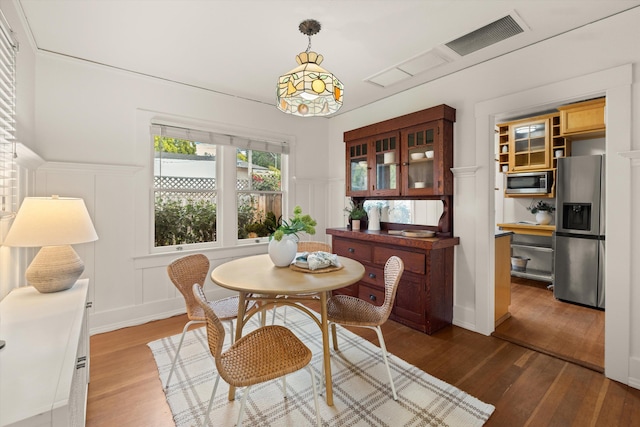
(490, 34)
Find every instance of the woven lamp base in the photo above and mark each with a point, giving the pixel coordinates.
(54, 269)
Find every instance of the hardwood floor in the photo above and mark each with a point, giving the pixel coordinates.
(528, 388)
(540, 322)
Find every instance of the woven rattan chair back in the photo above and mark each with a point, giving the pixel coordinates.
(184, 273)
(215, 329)
(314, 247)
(393, 269)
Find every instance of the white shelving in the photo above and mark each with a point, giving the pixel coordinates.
(540, 252)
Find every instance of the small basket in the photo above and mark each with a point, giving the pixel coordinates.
(519, 263)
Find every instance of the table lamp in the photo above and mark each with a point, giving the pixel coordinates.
(53, 223)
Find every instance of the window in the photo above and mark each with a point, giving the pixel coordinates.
(184, 191)
(259, 188)
(190, 192)
(8, 48)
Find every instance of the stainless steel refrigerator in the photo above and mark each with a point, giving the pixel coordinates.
(579, 240)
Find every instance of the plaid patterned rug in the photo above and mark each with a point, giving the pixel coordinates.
(362, 395)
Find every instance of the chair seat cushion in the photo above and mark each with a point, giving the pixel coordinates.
(262, 355)
(348, 310)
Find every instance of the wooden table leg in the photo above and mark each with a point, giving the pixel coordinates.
(242, 298)
(325, 348)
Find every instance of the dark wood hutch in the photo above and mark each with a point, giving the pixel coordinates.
(408, 157)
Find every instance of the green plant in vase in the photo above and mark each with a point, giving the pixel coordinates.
(356, 213)
(298, 224)
(283, 245)
(542, 211)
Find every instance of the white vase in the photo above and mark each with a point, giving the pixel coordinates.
(543, 217)
(283, 252)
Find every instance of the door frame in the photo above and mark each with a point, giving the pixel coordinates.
(615, 84)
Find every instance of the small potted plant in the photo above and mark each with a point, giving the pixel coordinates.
(283, 244)
(356, 213)
(542, 211)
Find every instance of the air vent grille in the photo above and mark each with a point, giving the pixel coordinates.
(490, 34)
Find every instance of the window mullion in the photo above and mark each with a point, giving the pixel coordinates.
(227, 206)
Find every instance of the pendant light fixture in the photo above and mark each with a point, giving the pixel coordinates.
(308, 89)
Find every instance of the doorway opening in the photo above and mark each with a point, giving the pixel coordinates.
(535, 318)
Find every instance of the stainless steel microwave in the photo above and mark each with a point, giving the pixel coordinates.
(534, 183)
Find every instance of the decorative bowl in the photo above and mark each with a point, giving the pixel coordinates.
(429, 154)
(416, 156)
(419, 184)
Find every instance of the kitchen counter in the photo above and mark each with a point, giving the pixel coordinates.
(502, 233)
(533, 229)
(535, 243)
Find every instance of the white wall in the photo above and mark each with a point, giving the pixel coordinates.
(527, 88)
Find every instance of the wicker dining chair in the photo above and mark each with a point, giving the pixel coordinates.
(314, 247)
(307, 246)
(184, 273)
(264, 354)
(350, 311)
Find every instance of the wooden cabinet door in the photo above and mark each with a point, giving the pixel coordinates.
(422, 172)
(582, 117)
(358, 170)
(385, 171)
(409, 307)
(529, 148)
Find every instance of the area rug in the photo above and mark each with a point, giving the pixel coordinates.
(361, 392)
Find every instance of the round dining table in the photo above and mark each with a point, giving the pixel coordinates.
(256, 278)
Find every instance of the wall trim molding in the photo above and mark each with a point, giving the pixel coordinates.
(93, 168)
(633, 155)
(464, 171)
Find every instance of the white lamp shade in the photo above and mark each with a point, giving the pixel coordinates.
(51, 221)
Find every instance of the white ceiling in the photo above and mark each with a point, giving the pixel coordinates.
(240, 47)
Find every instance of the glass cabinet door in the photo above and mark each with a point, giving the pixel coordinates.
(357, 168)
(386, 164)
(420, 161)
(530, 145)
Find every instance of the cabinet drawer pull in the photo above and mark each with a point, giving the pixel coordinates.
(351, 250)
(372, 297)
(80, 365)
(82, 358)
(372, 275)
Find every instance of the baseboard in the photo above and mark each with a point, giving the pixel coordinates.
(634, 372)
(106, 321)
(464, 318)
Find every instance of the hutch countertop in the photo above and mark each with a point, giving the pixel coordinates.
(383, 236)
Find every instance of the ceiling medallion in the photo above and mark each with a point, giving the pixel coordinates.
(309, 90)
